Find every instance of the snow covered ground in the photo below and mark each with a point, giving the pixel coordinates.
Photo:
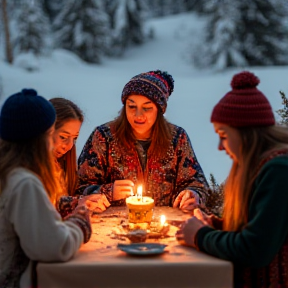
(97, 88)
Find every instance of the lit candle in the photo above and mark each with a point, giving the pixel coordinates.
(140, 207)
(164, 227)
(139, 193)
(162, 220)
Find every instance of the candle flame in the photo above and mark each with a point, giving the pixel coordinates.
(139, 193)
(162, 220)
(139, 190)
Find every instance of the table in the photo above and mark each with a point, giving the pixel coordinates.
(100, 264)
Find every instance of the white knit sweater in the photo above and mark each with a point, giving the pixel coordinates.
(31, 229)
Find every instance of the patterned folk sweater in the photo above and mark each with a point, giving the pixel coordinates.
(104, 160)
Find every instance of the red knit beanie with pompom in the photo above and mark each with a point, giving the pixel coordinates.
(244, 105)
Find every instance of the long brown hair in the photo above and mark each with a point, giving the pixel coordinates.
(32, 154)
(67, 110)
(256, 144)
(161, 133)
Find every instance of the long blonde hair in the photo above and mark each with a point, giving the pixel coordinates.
(32, 154)
(257, 144)
(161, 133)
(67, 110)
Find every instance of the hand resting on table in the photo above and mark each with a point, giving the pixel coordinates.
(187, 200)
(95, 202)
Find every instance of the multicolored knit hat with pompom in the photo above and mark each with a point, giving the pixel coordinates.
(244, 105)
(155, 85)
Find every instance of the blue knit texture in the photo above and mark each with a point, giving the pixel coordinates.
(25, 115)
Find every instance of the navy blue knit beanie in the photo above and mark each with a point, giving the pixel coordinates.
(25, 115)
(156, 85)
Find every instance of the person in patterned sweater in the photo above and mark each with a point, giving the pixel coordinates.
(140, 147)
(253, 233)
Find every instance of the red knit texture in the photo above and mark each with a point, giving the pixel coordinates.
(244, 105)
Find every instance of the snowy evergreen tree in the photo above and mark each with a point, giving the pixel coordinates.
(243, 33)
(110, 7)
(195, 5)
(33, 29)
(222, 45)
(127, 25)
(170, 7)
(82, 27)
(264, 35)
(215, 197)
(52, 7)
(159, 8)
(283, 112)
(153, 8)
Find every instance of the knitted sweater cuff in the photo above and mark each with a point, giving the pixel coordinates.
(199, 237)
(83, 223)
(66, 204)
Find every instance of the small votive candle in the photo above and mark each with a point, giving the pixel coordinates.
(164, 227)
(162, 220)
(140, 208)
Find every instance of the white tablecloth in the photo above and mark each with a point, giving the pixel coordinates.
(100, 264)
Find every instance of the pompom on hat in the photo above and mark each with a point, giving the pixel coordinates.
(156, 85)
(25, 115)
(244, 105)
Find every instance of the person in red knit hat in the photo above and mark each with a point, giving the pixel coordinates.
(254, 228)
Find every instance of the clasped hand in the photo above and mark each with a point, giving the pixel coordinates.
(187, 200)
(187, 232)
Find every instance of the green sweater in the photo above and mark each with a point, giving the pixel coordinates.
(267, 229)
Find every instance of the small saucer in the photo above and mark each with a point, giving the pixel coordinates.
(142, 249)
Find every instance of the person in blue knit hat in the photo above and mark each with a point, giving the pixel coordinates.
(140, 147)
(28, 217)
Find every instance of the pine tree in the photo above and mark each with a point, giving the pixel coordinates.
(215, 200)
(33, 29)
(222, 45)
(264, 33)
(134, 23)
(153, 8)
(52, 7)
(196, 5)
(110, 7)
(128, 22)
(243, 33)
(283, 112)
(213, 182)
(82, 27)
(159, 6)
(170, 7)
